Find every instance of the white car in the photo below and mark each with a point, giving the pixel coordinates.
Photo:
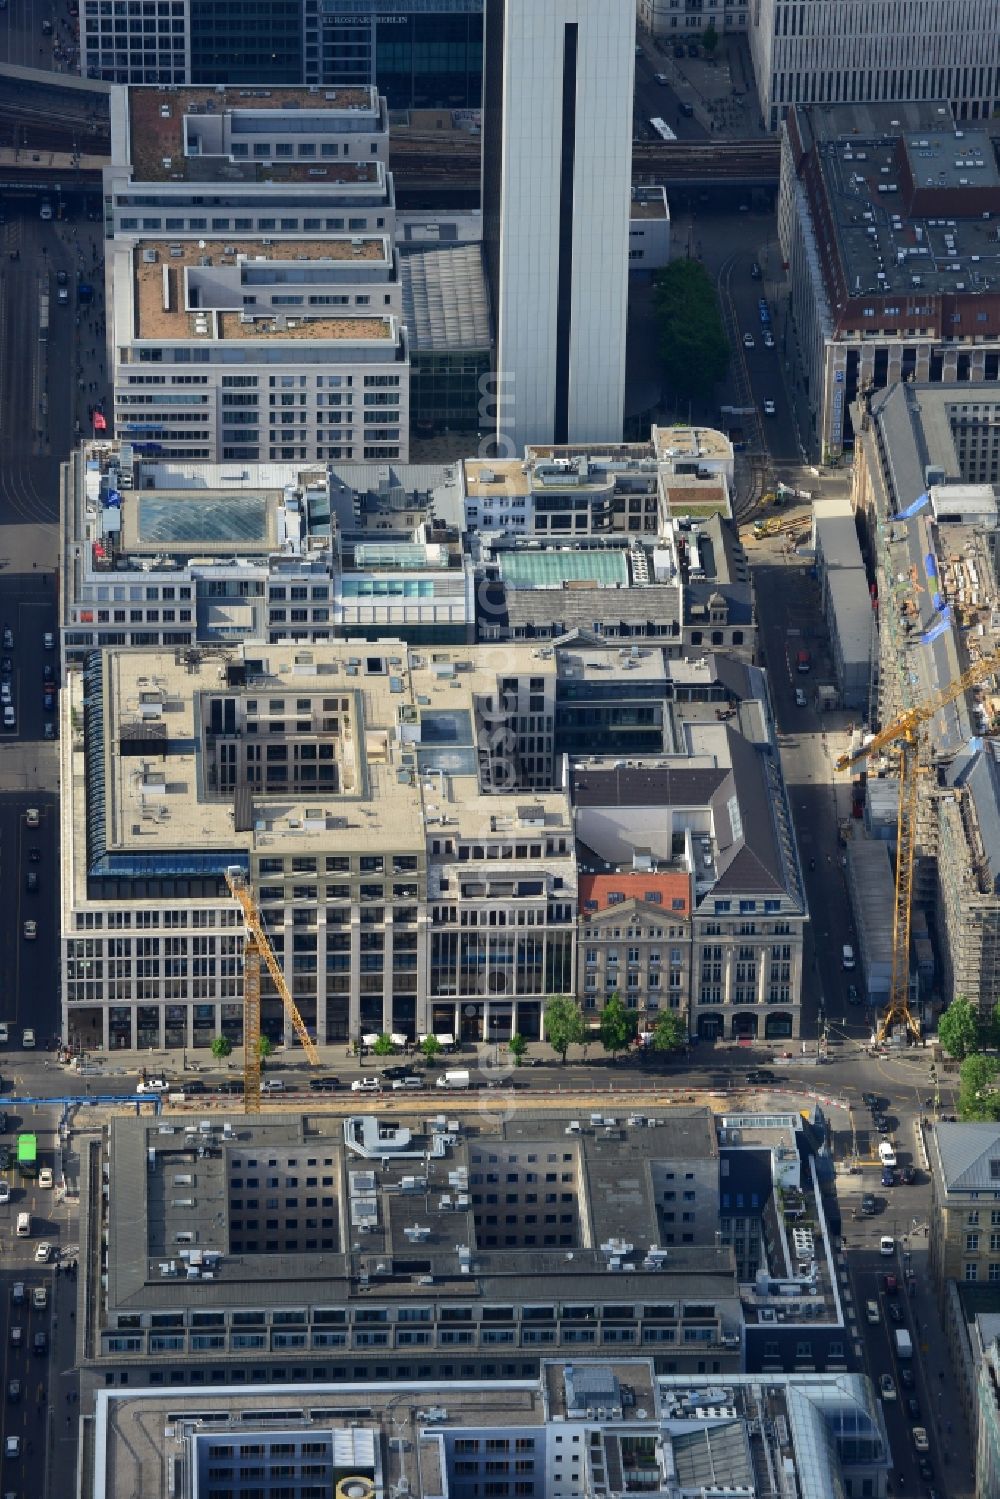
(9, 717)
(6, 696)
(4, 1033)
(40, 1298)
(920, 1438)
(768, 339)
(33, 817)
(366, 1085)
(43, 1253)
(30, 931)
(28, 1038)
(886, 1387)
(12, 1447)
(769, 408)
(748, 341)
(272, 1085)
(801, 700)
(152, 1085)
(4, 1190)
(45, 1177)
(887, 1245)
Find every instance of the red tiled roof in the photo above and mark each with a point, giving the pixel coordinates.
(599, 891)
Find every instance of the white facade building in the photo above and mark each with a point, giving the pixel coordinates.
(254, 314)
(557, 117)
(875, 51)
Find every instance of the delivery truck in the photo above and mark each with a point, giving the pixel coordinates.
(457, 1079)
(904, 1344)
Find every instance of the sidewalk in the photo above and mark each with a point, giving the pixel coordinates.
(952, 1445)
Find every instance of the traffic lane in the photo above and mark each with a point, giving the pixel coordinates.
(34, 1001)
(883, 1358)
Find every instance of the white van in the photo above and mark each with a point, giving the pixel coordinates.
(24, 1225)
(886, 1154)
(847, 956)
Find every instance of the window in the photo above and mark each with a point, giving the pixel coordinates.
(971, 1270)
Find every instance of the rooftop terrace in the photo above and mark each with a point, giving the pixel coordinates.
(157, 130)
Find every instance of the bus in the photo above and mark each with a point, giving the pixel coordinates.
(663, 130)
(27, 1155)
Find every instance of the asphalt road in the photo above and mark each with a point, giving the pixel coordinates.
(22, 41)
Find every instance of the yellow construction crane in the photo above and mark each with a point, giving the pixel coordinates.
(904, 732)
(257, 945)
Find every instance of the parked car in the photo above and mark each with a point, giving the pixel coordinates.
(913, 1407)
(151, 1085)
(908, 1175)
(888, 1176)
(886, 1387)
(12, 1446)
(272, 1085)
(28, 1035)
(4, 1191)
(366, 1085)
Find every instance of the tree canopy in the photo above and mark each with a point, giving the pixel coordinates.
(670, 1031)
(958, 1028)
(564, 1024)
(978, 1094)
(618, 1026)
(693, 341)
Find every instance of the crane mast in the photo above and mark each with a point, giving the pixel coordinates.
(904, 735)
(256, 949)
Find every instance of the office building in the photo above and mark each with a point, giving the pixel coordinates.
(274, 552)
(987, 1426)
(179, 762)
(563, 1434)
(923, 477)
(577, 491)
(193, 163)
(557, 144)
(889, 51)
(712, 824)
(417, 55)
(298, 338)
(359, 787)
(465, 1245)
(886, 221)
(689, 592)
(670, 23)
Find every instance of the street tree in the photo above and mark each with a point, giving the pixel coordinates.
(564, 1024)
(516, 1047)
(958, 1028)
(979, 1092)
(710, 40)
(221, 1047)
(431, 1048)
(618, 1026)
(265, 1047)
(670, 1031)
(383, 1045)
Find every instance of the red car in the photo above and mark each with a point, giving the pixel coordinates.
(891, 1286)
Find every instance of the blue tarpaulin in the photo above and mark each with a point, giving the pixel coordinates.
(930, 565)
(938, 628)
(918, 504)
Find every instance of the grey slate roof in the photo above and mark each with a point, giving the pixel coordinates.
(980, 772)
(969, 1155)
(570, 608)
